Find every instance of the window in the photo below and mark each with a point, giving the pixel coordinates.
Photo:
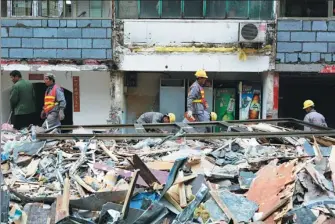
(333, 9)
(237, 9)
(50, 8)
(149, 9)
(261, 9)
(193, 8)
(216, 9)
(93, 8)
(127, 9)
(305, 8)
(22, 7)
(3, 8)
(171, 9)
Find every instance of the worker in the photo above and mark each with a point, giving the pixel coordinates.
(196, 102)
(156, 117)
(22, 101)
(54, 103)
(312, 116)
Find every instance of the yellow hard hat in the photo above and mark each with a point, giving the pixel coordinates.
(214, 116)
(201, 74)
(172, 117)
(308, 103)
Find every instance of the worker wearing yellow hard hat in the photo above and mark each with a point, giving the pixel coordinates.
(214, 116)
(312, 116)
(196, 102)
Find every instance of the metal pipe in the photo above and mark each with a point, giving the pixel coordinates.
(222, 135)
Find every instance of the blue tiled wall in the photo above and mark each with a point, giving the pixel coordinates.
(302, 41)
(56, 39)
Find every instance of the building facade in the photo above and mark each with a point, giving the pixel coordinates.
(161, 44)
(305, 57)
(117, 59)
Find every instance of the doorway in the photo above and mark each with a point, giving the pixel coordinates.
(40, 89)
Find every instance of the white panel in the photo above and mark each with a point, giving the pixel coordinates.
(190, 62)
(178, 32)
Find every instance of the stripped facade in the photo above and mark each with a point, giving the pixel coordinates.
(305, 56)
(137, 56)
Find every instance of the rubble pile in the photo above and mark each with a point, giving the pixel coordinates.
(172, 180)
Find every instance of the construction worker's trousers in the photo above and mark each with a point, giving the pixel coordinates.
(52, 120)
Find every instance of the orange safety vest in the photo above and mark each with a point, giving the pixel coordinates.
(50, 100)
(202, 99)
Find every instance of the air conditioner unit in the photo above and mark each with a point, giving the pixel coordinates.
(252, 32)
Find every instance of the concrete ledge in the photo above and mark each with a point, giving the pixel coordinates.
(299, 67)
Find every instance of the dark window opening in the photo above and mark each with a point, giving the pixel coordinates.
(306, 8)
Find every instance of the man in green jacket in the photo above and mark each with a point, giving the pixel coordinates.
(22, 101)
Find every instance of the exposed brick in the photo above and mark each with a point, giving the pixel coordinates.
(10, 42)
(319, 25)
(303, 36)
(95, 33)
(88, 23)
(29, 22)
(331, 26)
(4, 32)
(8, 22)
(331, 47)
(55, 43)
(79, 43)
(69, 32)
(106, 23)
(305, 57)
(63, 23)
(4, 53)
(109, 54)
(289, 47)
(44, 53)
(20, 32)
(289, 25)
(327, 57)
(109, 32)
(71, 23)
(94, 53)
(291, 57)
(283, 36)
(20, 53)
(315, 57)
(307, 25)
(53, 23)
(45, 32)
(314, 47)
(325, 36)
(68, 53)
(102, 43)
(32, 42)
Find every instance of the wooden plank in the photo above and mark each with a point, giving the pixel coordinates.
(108, 152)
(145, 173)
(180, 180)
(139, 128)
(82, 183)
(182, 191)
(187, 128)
(130, 192)
(159, 165)
(63, 202)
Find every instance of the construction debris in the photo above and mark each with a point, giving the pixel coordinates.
(168, 180)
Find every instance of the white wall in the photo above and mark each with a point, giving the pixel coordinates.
(94, 94)
(181, 32)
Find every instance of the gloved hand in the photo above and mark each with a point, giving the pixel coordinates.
(43, 115)
(189, 114)
(61, 114)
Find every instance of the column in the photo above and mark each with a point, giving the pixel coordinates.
(270, 95)
(117, 98)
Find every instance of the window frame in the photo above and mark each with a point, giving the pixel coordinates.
(204, 11)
